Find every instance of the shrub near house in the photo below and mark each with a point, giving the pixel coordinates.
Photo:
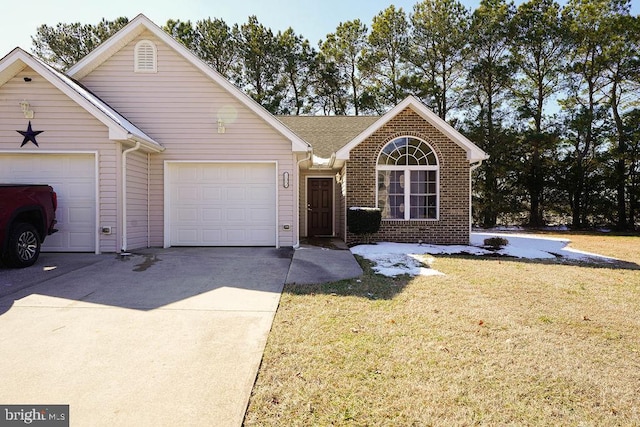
(364, 221)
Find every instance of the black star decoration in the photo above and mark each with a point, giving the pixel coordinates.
(29, 135)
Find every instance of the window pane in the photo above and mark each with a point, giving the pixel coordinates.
(419, 187)
(391, 194)
(424, 199)
(418, 207)
(407, 151)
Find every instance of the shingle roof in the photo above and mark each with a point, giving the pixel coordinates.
(327, 134)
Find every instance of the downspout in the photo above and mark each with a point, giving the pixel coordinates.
(309, 155)
(148, 200)
(124, 194)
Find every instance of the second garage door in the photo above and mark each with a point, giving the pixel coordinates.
(221, 204)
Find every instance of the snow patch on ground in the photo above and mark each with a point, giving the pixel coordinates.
(394, 259)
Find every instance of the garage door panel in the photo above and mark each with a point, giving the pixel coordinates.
(72, 176)
(260, 216)
(235, 216)
(189, 235)
(236, 194)
(209, 215)
(212, 194)
(214, 174)
(76, 190)
(209, 235)
(81, 215)
(259, 195)
(186, 215)
(216, 204)
(77, 240)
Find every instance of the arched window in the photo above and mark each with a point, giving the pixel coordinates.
(408, 180)
(145, 60)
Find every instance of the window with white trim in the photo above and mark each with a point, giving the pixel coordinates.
(146, 57)
(408, 180)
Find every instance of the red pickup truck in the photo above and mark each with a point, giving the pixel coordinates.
(27, 216)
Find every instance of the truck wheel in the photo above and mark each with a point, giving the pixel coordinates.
(24, 246)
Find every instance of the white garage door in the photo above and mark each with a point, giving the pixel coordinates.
(222, 204)
(72, 176)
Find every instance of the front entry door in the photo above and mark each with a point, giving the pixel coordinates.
(320, 207)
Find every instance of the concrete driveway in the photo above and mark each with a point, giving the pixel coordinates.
(165, 337)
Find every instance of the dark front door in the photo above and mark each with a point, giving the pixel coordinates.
(320, 207)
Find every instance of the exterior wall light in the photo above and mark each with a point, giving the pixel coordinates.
(285, 180)
(28, 113)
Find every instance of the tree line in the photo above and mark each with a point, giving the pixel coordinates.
(550, 92)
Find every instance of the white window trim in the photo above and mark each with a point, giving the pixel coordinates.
(137, 54)
(407, 183)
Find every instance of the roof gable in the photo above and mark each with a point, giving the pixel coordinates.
(119, 127)
(141, 23)
(474, 153)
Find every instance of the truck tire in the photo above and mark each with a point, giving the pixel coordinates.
(24, 246)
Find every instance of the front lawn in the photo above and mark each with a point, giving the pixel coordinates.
(493, 341)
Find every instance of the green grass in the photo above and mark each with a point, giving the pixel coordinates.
(493, 342)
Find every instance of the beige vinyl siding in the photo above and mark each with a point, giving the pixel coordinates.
(67, 128)
(137, 200)
(179, 107)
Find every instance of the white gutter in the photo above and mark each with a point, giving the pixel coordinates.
(124, 193)
(309, 155)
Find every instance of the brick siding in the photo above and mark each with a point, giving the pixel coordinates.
(452, 227)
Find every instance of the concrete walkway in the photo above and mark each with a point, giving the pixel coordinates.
(322, 261)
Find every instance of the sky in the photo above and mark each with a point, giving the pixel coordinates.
(313, 19)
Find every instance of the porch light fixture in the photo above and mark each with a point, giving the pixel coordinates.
(285, 180)
(221, 128)
(26, 110)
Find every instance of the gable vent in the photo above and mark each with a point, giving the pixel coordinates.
(145, 57)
